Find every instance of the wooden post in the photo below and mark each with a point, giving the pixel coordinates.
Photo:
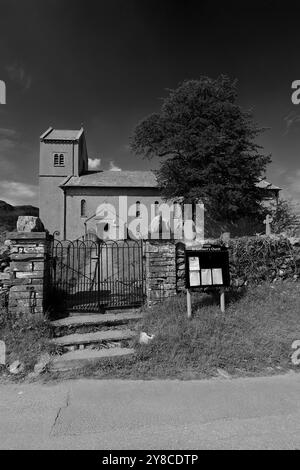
(222, 299)
(189, 303)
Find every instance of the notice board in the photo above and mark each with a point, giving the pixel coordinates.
(207, 267)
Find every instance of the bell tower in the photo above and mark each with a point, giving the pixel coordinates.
(63, 154)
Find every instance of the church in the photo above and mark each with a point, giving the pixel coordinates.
(70, 194)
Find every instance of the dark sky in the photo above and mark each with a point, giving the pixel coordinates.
(107, 64)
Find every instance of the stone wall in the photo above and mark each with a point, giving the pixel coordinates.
(160, 268)
(180, 267)
(28, 272)
(253, 260)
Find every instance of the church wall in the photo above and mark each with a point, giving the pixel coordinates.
(51, 203)
(47, 151)
(96, 196)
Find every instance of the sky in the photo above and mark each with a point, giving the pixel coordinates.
(106, 64)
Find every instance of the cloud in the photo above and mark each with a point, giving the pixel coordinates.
(291, 120)
(291, 189)
(4, 132)
(94, 163)
(18, 75)
(294, 183)
(113, 167)
(17, 193)
(8, 143)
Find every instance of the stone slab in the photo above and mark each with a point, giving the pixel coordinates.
(97, 337)
(28, 275)
(78, 359)
(104, 319)
(27, 236)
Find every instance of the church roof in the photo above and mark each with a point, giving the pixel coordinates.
(127, 179)
(60, 134)
(139, 179)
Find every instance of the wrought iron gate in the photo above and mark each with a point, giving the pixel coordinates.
(89, 275)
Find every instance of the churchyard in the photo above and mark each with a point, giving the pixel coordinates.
(257, 334)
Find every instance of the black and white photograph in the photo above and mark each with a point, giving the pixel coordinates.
(149, 228)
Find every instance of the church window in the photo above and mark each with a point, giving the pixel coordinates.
(156, 208)
(83, 208)
(59, 159)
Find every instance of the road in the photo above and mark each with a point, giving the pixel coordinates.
(248, 413)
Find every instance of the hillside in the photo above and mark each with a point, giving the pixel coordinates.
(9, 215)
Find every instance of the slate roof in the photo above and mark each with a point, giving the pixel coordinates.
(128, 179)
(60, 134)
(263, 184)
(125, 179)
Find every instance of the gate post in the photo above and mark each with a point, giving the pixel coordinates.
(161, 279)
(29, 272)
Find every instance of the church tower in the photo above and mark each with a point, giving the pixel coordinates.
(63, 154)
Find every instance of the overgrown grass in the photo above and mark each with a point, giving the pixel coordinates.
(254, 336)
(25, 339)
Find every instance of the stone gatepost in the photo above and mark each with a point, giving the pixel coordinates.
(29, 272)
(160, 270)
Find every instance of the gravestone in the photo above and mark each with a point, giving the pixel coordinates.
(268, 220)
(29, 223)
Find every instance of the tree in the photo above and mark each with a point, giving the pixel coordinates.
(208, 149)
(284, 218)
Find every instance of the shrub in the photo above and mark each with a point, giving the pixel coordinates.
(257, 259)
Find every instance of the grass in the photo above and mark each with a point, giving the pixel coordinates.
(25, 339)
(253, 337)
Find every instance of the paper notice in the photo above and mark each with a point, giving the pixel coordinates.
(194, 264)
(194, 278)
(217, 276)
(206, 279)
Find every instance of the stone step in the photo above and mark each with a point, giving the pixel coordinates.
(96, 319)
(81, 313)
(79, 359)
(97, 337)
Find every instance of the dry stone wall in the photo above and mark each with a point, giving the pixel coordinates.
(160, 270)
(254, 260)
(28, 272)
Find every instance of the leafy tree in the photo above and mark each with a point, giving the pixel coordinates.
(208, 149)
(284, 218)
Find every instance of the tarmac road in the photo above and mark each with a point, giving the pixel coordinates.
(247, 413)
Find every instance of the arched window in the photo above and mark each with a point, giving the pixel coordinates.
(156, 208)
(137, 209)
(83, 208)
(59, 159)
(56, 159)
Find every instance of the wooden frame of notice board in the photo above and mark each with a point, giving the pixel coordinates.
(207, 268)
